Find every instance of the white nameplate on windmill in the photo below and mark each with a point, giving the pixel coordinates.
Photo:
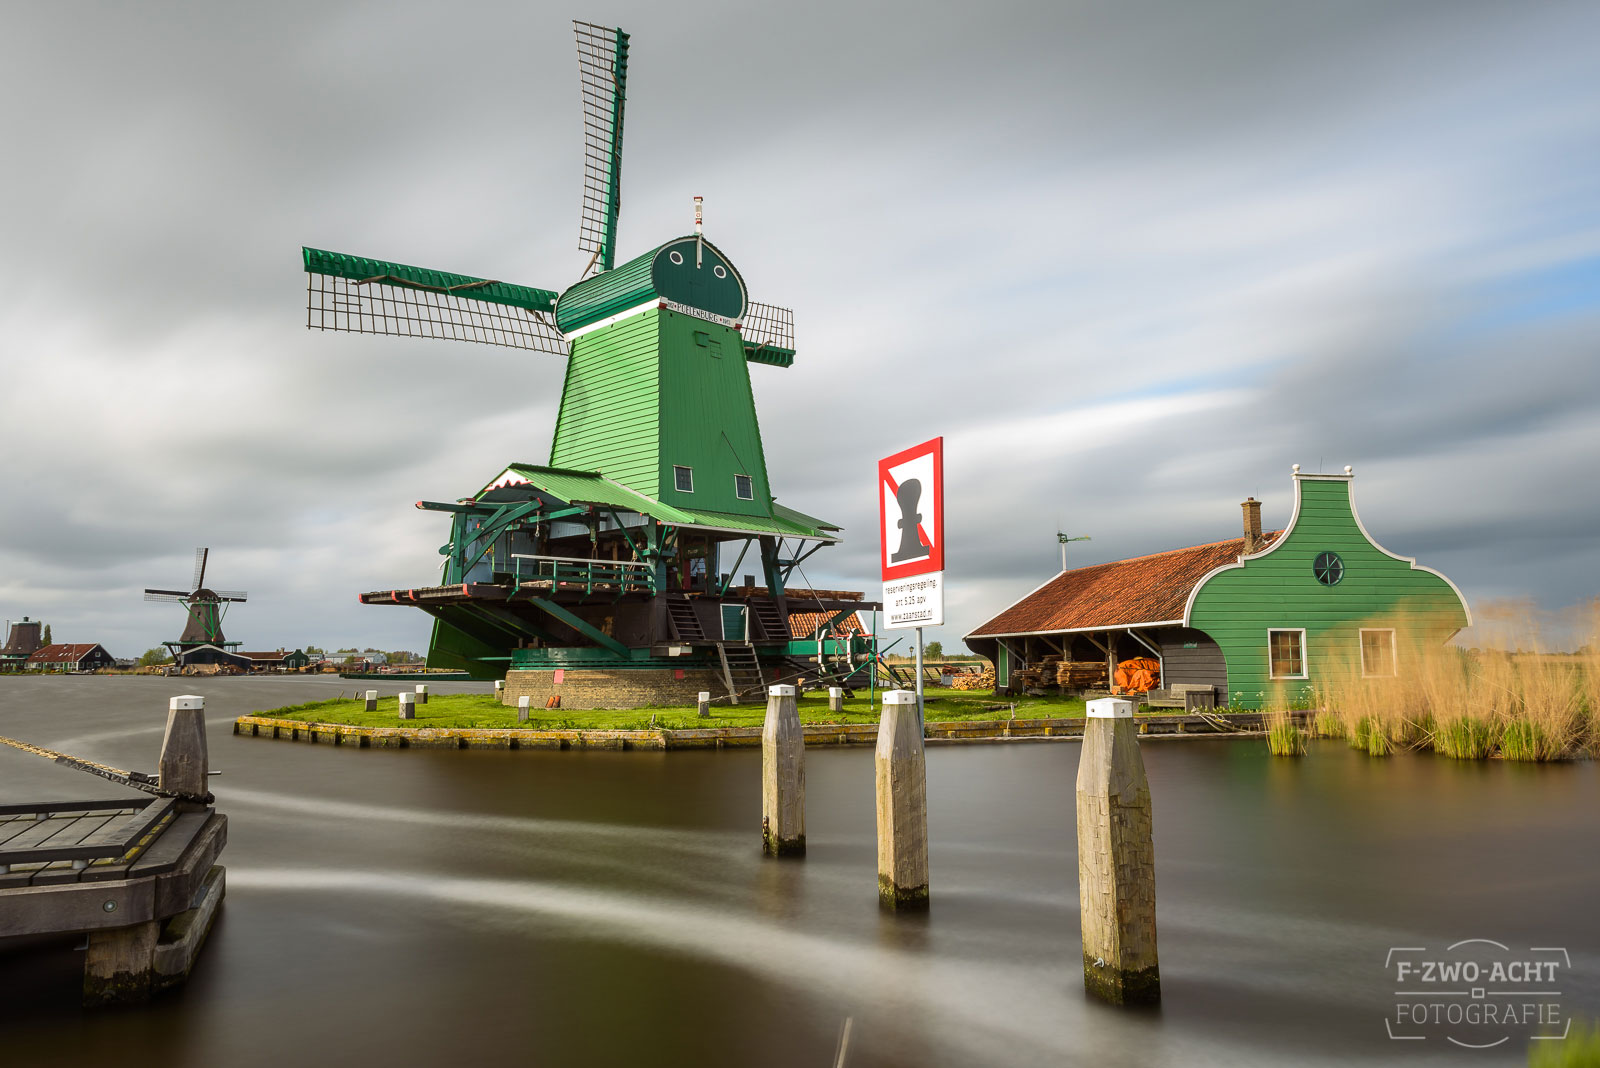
(684, 309)
(911, 535)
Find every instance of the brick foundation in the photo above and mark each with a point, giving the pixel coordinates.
(586, 688)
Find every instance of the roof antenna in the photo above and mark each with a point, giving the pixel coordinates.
(699, 237)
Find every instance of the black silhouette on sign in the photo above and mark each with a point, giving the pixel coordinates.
(911, 547)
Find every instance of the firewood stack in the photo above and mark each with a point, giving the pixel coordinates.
(984, 680)
(1082, 675)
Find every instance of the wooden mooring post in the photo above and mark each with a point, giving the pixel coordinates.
(835, 698)
(408, 705)
(902, 787)
(522, 708)
(703, 704)
(422, 694)
(783, 776)
(184, 767)
(372, 700)
(1116, 859)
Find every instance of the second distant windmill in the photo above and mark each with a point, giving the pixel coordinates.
(206, 609)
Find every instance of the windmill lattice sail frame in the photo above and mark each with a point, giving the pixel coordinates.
(375, 306)
(768, 326)
(602, 82)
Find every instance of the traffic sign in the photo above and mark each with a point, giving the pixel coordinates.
(911, 511)
(911, 542)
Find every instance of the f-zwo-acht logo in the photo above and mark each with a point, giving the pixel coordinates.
(1477, 993)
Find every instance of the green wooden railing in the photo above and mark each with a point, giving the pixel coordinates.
(570, 572)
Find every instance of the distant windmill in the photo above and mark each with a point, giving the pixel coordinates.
(1065, 541)
(205, 609)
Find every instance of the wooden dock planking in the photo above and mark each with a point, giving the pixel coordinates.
(153, 887)
(55, 847)
(137, 878)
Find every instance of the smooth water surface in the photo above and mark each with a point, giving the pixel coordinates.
(430, 907)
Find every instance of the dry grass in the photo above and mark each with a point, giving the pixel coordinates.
(1530, 704)
(1378, 715)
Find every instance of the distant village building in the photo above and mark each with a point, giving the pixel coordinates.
(59, 657)
(278, 661)
(1247, 619)
(22, 641)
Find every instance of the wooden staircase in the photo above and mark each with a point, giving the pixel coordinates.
(685, 624)
(769, 619)
(741, 670)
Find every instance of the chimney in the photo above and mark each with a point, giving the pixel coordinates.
(1252, 525)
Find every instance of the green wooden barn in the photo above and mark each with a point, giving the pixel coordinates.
(1271, 612)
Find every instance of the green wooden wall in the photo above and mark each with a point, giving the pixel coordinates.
(708, 417)
(1278, 589)
(662, 389)
(611, 404)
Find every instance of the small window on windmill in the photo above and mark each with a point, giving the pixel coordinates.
(744, 488)
(683, 479)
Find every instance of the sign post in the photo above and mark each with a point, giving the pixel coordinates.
(911, 544)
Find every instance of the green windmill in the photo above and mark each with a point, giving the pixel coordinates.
(206, 607)
(620, 556)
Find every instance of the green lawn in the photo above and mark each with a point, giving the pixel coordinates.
(482, 710)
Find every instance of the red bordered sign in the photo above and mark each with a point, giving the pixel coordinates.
(911, 511)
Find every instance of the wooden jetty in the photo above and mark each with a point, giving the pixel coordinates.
(136, 876)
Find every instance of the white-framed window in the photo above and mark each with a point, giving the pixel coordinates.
(1377, 652)
(683, 479)
(744, 488)
(1286, 653)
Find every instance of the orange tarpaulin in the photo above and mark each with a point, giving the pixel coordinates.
(1139, 675)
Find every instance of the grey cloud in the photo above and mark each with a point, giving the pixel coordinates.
(982, 215)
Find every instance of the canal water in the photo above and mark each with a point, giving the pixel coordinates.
(606, 908)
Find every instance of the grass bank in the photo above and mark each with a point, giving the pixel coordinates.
(482, 711)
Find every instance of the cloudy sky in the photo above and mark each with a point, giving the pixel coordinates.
(1131, 259)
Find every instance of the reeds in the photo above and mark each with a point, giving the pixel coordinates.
(1528, 705)
(1285, 737)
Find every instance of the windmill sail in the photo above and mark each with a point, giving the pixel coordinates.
(602, 80)
(365, 296)
(768, 334)
(200, 567)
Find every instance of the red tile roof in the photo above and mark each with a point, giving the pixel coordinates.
(805, 624)
(1122, 593)
(62, 654)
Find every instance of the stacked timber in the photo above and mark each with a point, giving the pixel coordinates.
(1040, 673)
(1082, 675)
(984, 680)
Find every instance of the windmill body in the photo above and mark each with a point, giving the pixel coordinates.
(202, 639)
(620, 555)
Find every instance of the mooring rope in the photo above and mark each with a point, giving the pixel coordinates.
(136, 779)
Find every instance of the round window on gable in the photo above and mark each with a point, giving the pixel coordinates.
(676, 257)
(720, 271)
(1328, 568)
